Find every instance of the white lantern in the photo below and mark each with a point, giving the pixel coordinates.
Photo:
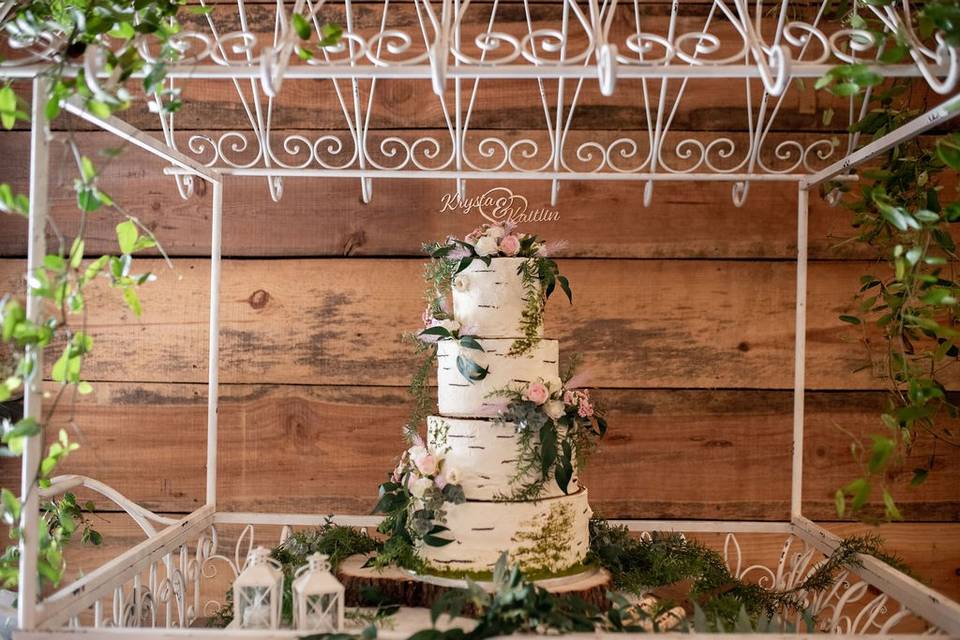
(317, 597)
(258, 592)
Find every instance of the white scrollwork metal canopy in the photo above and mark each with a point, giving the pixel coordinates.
(557, 50)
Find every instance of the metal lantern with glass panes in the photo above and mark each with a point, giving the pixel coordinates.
(317, 597)
(258, 592)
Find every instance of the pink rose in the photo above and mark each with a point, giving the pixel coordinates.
(537, 393)
(510, 245)
(427, 464)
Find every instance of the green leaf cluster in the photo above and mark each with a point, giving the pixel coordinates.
(901, 211)
(639, 565)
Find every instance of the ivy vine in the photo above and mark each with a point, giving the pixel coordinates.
(69, 30)
(902, 210)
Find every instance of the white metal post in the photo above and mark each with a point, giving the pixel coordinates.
(799, 354)
(32, 385)
(213, 365)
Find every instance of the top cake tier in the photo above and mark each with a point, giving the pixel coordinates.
(488, 301)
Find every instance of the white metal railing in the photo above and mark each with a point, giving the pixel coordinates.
(459, 45)
(180, 574)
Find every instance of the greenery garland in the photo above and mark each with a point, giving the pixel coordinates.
(901, 210)
(704, 586)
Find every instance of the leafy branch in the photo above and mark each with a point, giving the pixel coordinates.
(902, 211)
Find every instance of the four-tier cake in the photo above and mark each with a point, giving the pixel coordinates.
(497, 471)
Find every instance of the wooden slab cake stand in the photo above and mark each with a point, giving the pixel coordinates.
(400, 585)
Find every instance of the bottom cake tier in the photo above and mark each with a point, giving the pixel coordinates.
(549, 536)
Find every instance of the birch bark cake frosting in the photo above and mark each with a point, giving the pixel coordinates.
(498, 469)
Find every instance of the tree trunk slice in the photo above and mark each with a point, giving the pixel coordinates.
(400, 586)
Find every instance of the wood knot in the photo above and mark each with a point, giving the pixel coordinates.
(259, 299)
(356, 239)
(743, 346)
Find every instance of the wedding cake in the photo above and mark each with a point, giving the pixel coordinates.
(497, 471)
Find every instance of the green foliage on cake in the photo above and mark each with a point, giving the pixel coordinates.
(544, 542)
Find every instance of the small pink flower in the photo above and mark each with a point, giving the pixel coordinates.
(568, 397)
(509, 226)
(440, 481)
(510, 245)
(427, 317)
(537, 393)
(476, 234)
(427, 464)
(585, 409)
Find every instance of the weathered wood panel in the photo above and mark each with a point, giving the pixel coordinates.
(646, 323)
(669, 454)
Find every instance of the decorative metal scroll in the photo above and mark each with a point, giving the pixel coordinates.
(557, 48)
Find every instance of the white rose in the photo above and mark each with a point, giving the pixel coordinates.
(554, 384)
(496, 231)
(420, 487)
(453, 475)
(460, 283)
(487, 246)
(450, 325)
(554, 409)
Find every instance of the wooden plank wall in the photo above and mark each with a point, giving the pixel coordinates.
(683, 313)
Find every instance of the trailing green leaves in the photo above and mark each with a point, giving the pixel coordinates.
(899, 209)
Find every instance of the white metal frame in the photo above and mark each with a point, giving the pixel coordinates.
(543, 55)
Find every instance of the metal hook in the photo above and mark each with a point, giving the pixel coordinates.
(554, 191)
(781, 63)
(185, 185)
(739, 193)
(438, 64)
(946, 56)
(648, 193)
(269, 79)
(276, 187)
(607, 68)
(366, 190)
